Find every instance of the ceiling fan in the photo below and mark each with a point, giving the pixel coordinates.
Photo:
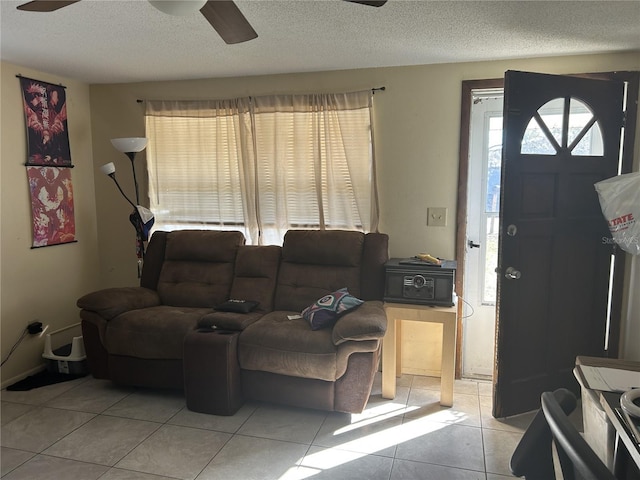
(223, 15)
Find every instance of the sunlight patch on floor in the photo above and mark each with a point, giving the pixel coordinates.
(350, 451)
(374, 415)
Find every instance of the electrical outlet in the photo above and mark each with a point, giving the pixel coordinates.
(437, 217)
(34, 328)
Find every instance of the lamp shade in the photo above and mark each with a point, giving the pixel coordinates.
(178, 7)
(132, 144)
(108, 168)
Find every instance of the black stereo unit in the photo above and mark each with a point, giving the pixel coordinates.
(414, 281)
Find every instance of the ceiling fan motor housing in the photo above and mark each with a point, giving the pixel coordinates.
(178, 7)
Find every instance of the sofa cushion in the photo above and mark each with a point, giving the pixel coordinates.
(152, 333)
(323, 312)
(198, 267)
(279, 344)
(287, 346)
(316, 263)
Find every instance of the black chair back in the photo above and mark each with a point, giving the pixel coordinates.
(533, 457)
(578, 460)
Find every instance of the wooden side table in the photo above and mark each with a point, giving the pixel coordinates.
(391, 345)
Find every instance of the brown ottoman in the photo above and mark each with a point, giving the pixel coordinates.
(211, 371)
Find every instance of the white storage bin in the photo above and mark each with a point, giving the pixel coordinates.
(69, 358)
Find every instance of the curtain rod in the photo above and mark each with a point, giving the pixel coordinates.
(19, 75)
(374, 90)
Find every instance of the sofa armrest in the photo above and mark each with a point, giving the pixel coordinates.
(367, 322)
(111, 302)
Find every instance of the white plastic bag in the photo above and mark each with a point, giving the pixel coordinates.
(620, 203)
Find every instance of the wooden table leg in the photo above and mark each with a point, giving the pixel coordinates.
(389, 361)
(448, 373)
(398, 324)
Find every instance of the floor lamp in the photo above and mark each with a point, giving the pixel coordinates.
(141, 218)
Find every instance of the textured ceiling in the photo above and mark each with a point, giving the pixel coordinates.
(111, 41)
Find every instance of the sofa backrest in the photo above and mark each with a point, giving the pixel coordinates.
(203, 268)
(193, 268)
(374, 256)
(255, 275)
(153, 260)
(317, 262)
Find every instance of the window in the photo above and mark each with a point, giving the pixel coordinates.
(563, 124)
(263, 165)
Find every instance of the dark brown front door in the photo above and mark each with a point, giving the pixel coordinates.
(561, 135)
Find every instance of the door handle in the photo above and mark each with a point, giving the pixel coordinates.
(512, 274)
(473, 245)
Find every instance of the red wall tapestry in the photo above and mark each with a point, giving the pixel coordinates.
(45, 112)
(51, 205)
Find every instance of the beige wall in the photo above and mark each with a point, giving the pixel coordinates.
(41, 283)
(417, 121)
(417, 129)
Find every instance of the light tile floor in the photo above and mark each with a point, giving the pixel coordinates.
(91, 429)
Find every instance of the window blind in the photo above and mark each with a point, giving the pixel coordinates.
(263, 165)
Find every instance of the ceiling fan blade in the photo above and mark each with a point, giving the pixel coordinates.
(371, 3)
(228, 21)
(45, 5)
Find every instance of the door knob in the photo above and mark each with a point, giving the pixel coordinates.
(473, 245)
(512, 274)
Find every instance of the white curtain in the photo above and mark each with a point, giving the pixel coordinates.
(263, 165)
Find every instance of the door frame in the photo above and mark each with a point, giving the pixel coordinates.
(463, 179)
(633, 86)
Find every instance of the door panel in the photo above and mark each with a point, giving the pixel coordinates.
(562, 134)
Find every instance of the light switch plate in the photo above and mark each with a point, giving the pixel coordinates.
(437, 217)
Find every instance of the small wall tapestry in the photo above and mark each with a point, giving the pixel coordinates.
(51, 205)
(45, 111)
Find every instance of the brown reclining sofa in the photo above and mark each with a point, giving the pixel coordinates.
(135, 335)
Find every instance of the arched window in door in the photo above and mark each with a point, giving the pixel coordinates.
(563, 125)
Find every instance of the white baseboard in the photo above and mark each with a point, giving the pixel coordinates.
(22, 376)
